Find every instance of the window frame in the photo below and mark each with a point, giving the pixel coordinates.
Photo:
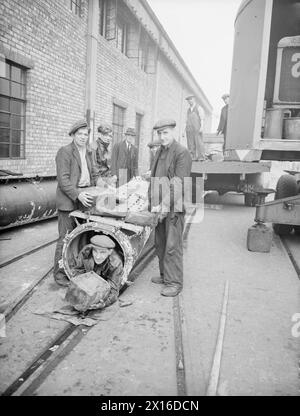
(138, 128)
(118, 128)
(76, 7)
(22, 114)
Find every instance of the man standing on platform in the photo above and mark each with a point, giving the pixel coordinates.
(194, 130)
(222, 128)
(124, 160)
(171, 165)
(75, 171)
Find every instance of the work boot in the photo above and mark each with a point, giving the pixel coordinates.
(62, 280)
(157, 279)
(171, 290)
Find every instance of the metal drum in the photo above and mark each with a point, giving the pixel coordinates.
(26, 202)
(129, 239)
(291, 128)
(274, 123)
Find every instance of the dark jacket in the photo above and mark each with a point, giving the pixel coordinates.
(103, 159)
(193, 120)
(178, 166)
(68, 170)
(111, 270)
(123, 159)
(222, 128)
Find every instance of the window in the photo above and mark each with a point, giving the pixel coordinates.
(118, 123)
(76, 6)
(114, 22)
(119, 25)
(12, 112)
(121, 36)
(138, 128)
(143, 51)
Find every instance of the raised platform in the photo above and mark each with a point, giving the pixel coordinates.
(230, 167)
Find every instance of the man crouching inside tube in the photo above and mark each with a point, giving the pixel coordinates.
(171, 165)
(98, 257)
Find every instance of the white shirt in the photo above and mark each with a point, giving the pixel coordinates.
(85, 174)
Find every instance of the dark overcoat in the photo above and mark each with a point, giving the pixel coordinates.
(122, 158)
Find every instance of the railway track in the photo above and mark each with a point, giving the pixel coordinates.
(55, 351)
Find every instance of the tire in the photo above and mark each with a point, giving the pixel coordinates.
(286, 187)
(250, 200)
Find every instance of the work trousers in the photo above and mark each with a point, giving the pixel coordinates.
(195, 144)
(66, 224)
(169, 248)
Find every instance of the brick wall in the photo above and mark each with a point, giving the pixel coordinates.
(54, 40)
(50, 35)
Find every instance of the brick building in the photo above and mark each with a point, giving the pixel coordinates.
(63, 59)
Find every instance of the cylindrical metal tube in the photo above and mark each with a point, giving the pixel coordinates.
(25, 202)
(291, 128)
(274, 123)
(129, 240)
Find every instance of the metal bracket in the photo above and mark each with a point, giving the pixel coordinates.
(280, 211)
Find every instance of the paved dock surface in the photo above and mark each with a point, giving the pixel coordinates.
(132, 350)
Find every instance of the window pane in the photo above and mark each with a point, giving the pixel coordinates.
(15, 150)
(17, 107)
(4, 104)
(17, 90)
(4, 120)
(4, 150)
(16, 74)
(4, 86)
(17, 136)
(4, 135)
(17, 122)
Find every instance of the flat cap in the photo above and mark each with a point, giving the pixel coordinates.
(162, 124)
(225, 96)
(78, 125)
(154, 143)
(130, 132)
(105, 128)
(189, 97)
(102, 241)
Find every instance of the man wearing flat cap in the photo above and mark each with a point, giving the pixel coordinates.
(124, 160)
(171, 165)
(194, 129)
(75, 171)
(101, 257)
(222, 127)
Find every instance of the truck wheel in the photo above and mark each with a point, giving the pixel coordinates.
(250, 200)
(286, 187)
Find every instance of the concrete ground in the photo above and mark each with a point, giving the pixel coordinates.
(132, 350)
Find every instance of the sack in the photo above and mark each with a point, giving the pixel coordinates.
(87, 289)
